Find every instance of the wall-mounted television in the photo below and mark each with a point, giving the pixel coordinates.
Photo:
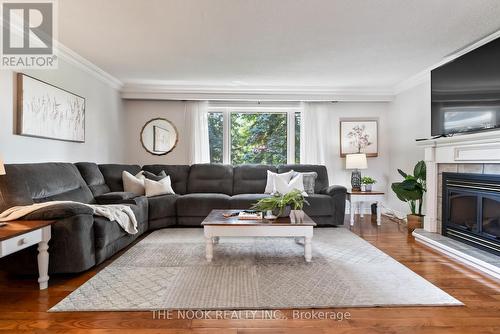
(466, 92)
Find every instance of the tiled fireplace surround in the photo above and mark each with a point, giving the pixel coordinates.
(472, 153)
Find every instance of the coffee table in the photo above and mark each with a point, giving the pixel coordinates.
(298, 225)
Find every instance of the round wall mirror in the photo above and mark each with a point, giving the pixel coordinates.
(159, 136)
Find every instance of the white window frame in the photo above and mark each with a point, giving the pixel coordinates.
(227, 108)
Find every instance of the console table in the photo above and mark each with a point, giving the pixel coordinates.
(361, 197)
(21, 234)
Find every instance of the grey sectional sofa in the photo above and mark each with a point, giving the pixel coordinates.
(81, 240)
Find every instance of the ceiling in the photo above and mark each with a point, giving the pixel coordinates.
(338, 44)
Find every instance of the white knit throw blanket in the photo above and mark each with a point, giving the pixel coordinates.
(119, 213)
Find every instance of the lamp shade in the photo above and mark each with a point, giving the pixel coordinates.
(356, 161)
(2, 167)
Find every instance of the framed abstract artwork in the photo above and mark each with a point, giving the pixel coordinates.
(359, 136)
(47, 111)
(161, 139)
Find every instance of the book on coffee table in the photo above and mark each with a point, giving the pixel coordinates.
(246, 215)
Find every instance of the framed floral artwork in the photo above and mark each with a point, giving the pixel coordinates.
(359, 136)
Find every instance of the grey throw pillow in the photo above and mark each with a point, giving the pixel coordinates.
(309, 181)
(155, 177)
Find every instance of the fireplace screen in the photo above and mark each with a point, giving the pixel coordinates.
(471, 209)
(491, 217)
(463, 210)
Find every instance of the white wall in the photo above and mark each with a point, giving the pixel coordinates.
(409, 119)
(103, 120)
(377, 166)
(139, 112)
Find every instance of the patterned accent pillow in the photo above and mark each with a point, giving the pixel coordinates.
(309, 181)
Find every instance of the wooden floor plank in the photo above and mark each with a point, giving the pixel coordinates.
(23, 307)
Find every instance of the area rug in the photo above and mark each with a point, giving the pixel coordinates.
(168, 270)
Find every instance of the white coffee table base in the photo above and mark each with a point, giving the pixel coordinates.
(213, 232)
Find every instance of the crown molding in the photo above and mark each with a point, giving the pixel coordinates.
(71, 57)
(425, 75)
(167, 91)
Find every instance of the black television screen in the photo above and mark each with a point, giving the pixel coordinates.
(466, 92)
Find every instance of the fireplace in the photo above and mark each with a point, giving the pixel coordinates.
(471, 210)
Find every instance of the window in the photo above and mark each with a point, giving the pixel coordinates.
(297, 137)
(254, 135)
(215, 136)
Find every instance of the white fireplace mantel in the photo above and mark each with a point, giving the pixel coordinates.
(480, 148)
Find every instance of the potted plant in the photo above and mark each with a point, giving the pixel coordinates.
(281, 205)
(411, 190)
(367, 182)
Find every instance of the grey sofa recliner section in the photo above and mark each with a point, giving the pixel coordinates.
(81, 240)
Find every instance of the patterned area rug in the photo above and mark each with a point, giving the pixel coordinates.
(168, 270)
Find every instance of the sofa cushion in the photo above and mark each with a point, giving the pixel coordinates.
(93, 177)
(251, 179)
(245, 201)
(153, 177)
(162, 206)
(178, 175)
(51, 182)
(113, 174)
(115, 197)
(200, 204)
(210, 178)
(59, 211)
(321, 180)
(319, 205)
(13, 189)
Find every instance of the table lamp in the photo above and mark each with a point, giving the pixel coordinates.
(356, 162)
(2, 167)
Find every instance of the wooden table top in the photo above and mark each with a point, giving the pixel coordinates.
(216, 218)
(18, 227)
(355, 192)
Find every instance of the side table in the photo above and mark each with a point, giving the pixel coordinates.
(21, 234)
(361, 197)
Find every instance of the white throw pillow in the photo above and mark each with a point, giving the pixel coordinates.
(296, 183)
(270, 180)
(156, 188)
(133, 183)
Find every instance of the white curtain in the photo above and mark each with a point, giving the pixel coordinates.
(315, 133)
(197, 124)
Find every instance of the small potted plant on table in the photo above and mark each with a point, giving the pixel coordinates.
(281, 205)
(411, 190)
(367, 182)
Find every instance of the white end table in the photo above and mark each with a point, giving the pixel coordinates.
(20, 234)
(360, 197)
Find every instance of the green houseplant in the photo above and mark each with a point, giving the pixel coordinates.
(367, 182)
(281, 205)
(411, 190)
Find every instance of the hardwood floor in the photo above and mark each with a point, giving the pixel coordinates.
(23, 307)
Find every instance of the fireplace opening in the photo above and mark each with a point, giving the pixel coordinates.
(471, 209)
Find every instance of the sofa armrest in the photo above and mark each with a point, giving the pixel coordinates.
(334, 190)
(59, 211)
(338, 195)
(117, 197)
